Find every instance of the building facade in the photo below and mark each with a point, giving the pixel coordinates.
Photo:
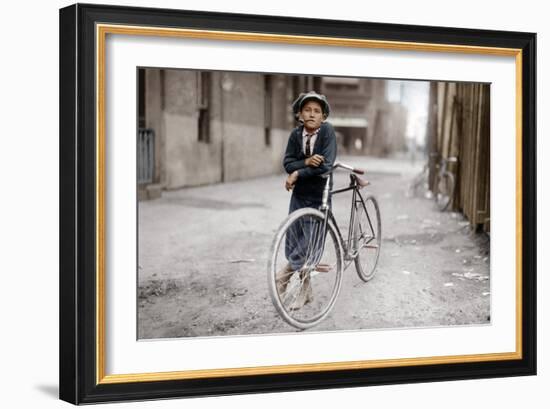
(366, 122)
(212, 127)
(203, 127)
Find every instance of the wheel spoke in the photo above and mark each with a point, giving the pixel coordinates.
(306, 295)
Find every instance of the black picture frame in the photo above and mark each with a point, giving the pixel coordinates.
(79, 358)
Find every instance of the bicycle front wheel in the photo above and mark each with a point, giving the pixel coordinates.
(444, 190)
(305, 268)
(367, 237)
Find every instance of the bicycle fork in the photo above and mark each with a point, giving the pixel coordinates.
(322, 233)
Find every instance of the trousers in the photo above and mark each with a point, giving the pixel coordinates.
(303, 241)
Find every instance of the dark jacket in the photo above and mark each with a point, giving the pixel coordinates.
(309, 183)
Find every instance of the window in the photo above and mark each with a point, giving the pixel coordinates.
(203, 105)
(268, 101)
(141, 98)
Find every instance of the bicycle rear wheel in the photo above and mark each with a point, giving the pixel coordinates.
(366, 240)
(444, 190)
(305, 268)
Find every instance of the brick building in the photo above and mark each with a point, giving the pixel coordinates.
(204, 127)
(365, 120)
(201, 127)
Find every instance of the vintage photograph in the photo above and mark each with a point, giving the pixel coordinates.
(277, 203)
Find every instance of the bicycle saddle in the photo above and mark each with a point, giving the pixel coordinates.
(359, 180)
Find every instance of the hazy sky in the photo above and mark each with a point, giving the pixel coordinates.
(414, 95)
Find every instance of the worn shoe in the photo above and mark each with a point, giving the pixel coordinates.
(306, 293)
(282, 277)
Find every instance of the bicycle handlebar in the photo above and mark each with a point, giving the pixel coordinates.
(344, 166)
(434, 155)
(348, 167)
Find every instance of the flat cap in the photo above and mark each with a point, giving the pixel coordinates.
(307, 96)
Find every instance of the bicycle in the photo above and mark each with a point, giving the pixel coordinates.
(444, 187)
(420, 185)
(444, 184)
(311, 239)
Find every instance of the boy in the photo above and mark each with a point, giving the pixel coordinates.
(311, 151)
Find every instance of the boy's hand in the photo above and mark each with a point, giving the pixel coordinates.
(315, 160)
(291, 180)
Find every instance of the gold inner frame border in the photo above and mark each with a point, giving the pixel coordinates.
(102, 30)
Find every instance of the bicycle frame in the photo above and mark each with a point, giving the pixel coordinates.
(444, 163)
(356, 198)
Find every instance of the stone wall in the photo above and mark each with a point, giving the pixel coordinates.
(244, 141)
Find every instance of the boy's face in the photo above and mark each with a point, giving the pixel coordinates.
(312, 115)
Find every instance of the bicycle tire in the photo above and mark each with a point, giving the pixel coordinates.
(325, 285)
(444, 190)
(367, 237)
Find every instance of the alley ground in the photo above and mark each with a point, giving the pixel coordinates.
(203, 258)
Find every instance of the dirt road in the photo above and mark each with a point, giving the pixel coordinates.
(203, 256)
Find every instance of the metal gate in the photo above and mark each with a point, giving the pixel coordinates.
(145, 155)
